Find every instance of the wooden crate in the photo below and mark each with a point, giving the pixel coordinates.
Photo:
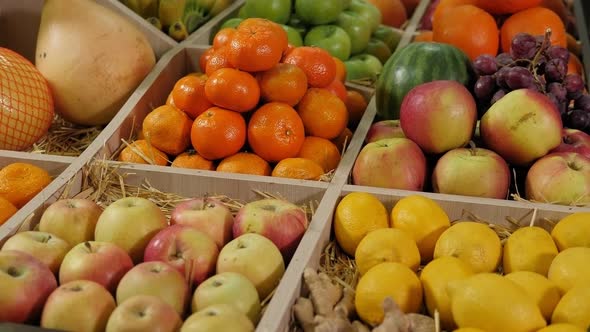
(458, 208)
(153, 93)
(182, 183)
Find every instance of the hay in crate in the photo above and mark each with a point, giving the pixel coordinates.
(104, 183)
(342, 269)
(66, 139)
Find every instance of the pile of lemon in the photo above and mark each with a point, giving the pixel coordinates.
(534, 281)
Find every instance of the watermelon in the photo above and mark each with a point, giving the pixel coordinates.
(414, 64)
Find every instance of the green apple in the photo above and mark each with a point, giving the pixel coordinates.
(362, 66)
(346, 4)
(231, 23)
(293, 36)
(229, 288)
(357, 28)
(371, 14)
(316, 12)
(218, 317)
(257, 258)
(390, 36)
(378, 49)
(277, 11)
(331, 38)
(296, 23)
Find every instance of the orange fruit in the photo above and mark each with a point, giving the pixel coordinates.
(574, 65)
(393, 12)
(217, 60)
(444, 5)
(7, 210)
(343, 139)
(140, 152)
(356, 104)
(244, 163)
(323, 114)
(338, 89)
(223, 37)
(322, 151)
(424, 36)
(257, 45)
(232, 89)
(191, 159)
(340, 69)
(469, 28)
(318, 65)
(188, 95)
(284, 82)
(204, 58)
(20, 182)
(167, 129)
(275, 132)
(298, 168)
(533, 21)
(218, 133)
(507, 6)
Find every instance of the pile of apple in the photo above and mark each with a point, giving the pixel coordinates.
(127, 268)
(438, 144)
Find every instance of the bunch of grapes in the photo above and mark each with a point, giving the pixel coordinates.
(533, 63)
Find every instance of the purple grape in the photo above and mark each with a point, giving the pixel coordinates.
(540, 66)
(501, 76)
(583, 103)
(504, 59)
(484, 87)
(540, 39)
(523, 46)
(558, 90)
(558, 52)
(519, 78)
(485, 65)
(574, 85)
(578, 119)
(555, 70)
(499, 94)
(553, 100)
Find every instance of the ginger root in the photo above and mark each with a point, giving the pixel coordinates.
(330, 308)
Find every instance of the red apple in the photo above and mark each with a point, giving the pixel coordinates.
(384, 129)
(257, 258)
(439, 116)
(72, 220)
(472, 172)
(158, 279)
(142, 313)
(80, 305)
(47, 248)
(183, 247)
(573, 140)
(101, 262)
(130, 223)
(559, 178)
(25, 284)
(522, 126)
(208, 215)
(283, 222)
(396, 163)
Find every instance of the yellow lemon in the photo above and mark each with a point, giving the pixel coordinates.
(572, 231)
(356, 215)
(387, 279)
(490, 302)
(529, 249)
(474, 243)
(423, 218)
(468, 329)
(542, 290)
(570, 267)
(560, 327)
(387, 245)
(435, 277)
(574, 307)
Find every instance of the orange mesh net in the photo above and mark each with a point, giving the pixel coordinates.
(26, 104)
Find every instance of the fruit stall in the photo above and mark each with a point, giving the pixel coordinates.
(304, 165)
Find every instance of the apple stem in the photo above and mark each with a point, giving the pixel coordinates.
(45, 240)
(472, 148)
(88, 246)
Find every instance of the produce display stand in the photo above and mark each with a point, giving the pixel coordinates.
(178, 59)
